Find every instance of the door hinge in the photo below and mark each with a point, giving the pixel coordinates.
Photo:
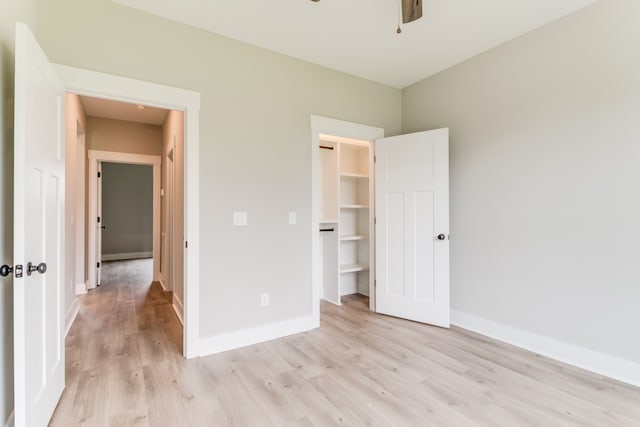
(375, 159)
(98, 265)
(186, 244)
(375, 220)
(99, 174)
(98, 219)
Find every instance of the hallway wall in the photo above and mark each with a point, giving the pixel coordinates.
(173, 134)
(75, 193)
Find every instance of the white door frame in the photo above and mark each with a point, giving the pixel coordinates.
(101, 85)
(338, 128)
(95, 157)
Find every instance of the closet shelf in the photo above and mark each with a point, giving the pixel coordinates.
(347, 238)
(354, 207)
(328, 221)
(354, 175)
(352, 268)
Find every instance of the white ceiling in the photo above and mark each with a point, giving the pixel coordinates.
(359, 36)
(105, 108)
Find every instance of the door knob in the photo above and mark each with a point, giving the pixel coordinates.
(5, 270)
(40, 268)
(441, 237)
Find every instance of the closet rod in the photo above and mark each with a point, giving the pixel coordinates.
(326, 147)
(323, 230)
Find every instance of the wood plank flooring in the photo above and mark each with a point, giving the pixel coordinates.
(125, 368)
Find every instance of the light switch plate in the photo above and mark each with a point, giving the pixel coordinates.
(240, 219)
(292, 218)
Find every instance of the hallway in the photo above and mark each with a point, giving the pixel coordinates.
(125, 330)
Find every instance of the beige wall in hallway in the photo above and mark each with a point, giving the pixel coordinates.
(173, 135)
(121, 136)
(75, 193)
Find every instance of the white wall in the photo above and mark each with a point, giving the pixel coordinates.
(12, 11)
(254, 144)
(545, 178)
(127, 209)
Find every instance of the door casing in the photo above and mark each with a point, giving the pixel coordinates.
(96, 156)
(102, 85)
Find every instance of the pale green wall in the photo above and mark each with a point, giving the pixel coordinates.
(255, 149)
(127, 208)
(545, 178)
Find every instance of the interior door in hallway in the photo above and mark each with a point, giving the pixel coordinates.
(412, 226)
(38, 234)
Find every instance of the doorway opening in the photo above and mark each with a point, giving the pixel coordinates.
(133, 211)
(81, 82)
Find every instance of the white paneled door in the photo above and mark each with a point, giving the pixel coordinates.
(412, 226)
(38, 234)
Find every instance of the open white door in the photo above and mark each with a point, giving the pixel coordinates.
(412, 226)
(38, 234)
(99, 226)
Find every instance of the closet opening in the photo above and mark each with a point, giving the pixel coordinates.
(346, 217)
(342, 209)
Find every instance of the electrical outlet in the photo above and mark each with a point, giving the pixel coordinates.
(292, 218)
(264, 299)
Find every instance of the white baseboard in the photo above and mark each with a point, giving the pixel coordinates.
(81, 288)
(164, 286)
(10, 421)
(590, 360)
(70, 316)
(256, 335)
(363, 289)
(178, 307)
(126, 255)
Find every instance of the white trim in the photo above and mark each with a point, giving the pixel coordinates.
(162, 283)
(178, 307)
(71, 315)
(92, 83)
(126, 256)
(250, 336)
(584, 358)
(364, 289)
(10, 420)
(339, 128)
(96, 156)
(81, 288)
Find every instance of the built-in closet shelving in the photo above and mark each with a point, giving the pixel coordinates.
(346, 220)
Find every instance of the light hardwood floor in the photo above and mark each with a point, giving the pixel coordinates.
(124, 368)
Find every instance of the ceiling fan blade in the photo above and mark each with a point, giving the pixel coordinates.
(411, 10)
